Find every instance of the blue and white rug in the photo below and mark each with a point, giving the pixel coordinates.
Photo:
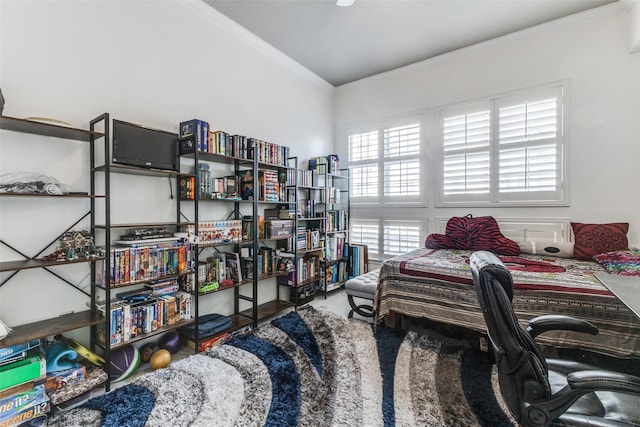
(308, 368)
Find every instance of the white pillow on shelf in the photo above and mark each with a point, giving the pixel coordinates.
(547, 247)
(4, 330)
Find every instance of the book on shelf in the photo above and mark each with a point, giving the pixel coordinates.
(234, 269)
(358, 259)
(246, 184)
(129, 320)
(285, 261)
(334, 249)
(186, 188)
(152, 261)
(193, 134)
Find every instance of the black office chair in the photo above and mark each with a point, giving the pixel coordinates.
(539, 391)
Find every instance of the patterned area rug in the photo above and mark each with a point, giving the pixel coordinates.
(309, 368)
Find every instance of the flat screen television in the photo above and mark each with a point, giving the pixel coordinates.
(138, 145)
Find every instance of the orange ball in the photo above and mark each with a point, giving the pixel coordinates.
(160, 359)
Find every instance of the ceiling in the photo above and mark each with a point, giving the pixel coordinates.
(344, 44)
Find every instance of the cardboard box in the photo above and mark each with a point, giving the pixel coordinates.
(278, 228)
(56, 380)
(31, 368)
(15, 352)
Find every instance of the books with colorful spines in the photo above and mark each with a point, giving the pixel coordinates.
(233, 268)
(220, 143)
(184, 299)
(170, 310)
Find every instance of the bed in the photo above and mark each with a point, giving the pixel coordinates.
(437, 284)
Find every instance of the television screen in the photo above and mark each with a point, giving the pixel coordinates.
(137, 145)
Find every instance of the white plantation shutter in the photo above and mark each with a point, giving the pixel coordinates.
(364, 181)
(529, 140)
(402, 163)
(402, 140)
(402, 178)
(401, 236)
(363, 146)
(507, 150)
(365, 233)
(466, 136)
(363, 162)
(385, 165)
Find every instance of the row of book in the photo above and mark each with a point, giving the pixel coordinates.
(266, 261)
(306, 268)
(307, 178)
(221, 269)
(329, 164)
(196, 134)
(335, 274)
(335, 246)
(130, 319)
(131, 264)
(308, 208)
(358, 260)
(333, 195)
(307, 239)
(337, 220)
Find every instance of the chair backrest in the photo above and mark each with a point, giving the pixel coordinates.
(522, 370)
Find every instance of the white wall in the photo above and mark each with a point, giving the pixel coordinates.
(634, 16)
(590, 50)
(153, 63)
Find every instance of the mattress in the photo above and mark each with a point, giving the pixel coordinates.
(437, 284)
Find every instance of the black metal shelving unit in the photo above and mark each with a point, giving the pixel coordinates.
(105, 167)
(256, 312)
(68, 321)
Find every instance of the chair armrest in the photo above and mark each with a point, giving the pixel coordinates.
(597, 380)
(554, 322)
(578, 384)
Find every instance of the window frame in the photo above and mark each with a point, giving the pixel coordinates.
(418, 200)
(494, 197)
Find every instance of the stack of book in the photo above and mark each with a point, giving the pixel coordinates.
(269, 186)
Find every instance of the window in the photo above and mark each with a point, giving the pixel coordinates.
(384, 163)
(387, 238)
(504, 150)
(365, 233)
(401, 236)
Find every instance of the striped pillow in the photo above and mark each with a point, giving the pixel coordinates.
(476, 234)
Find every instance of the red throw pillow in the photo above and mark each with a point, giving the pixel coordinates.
(594, 239)
(477, 234)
